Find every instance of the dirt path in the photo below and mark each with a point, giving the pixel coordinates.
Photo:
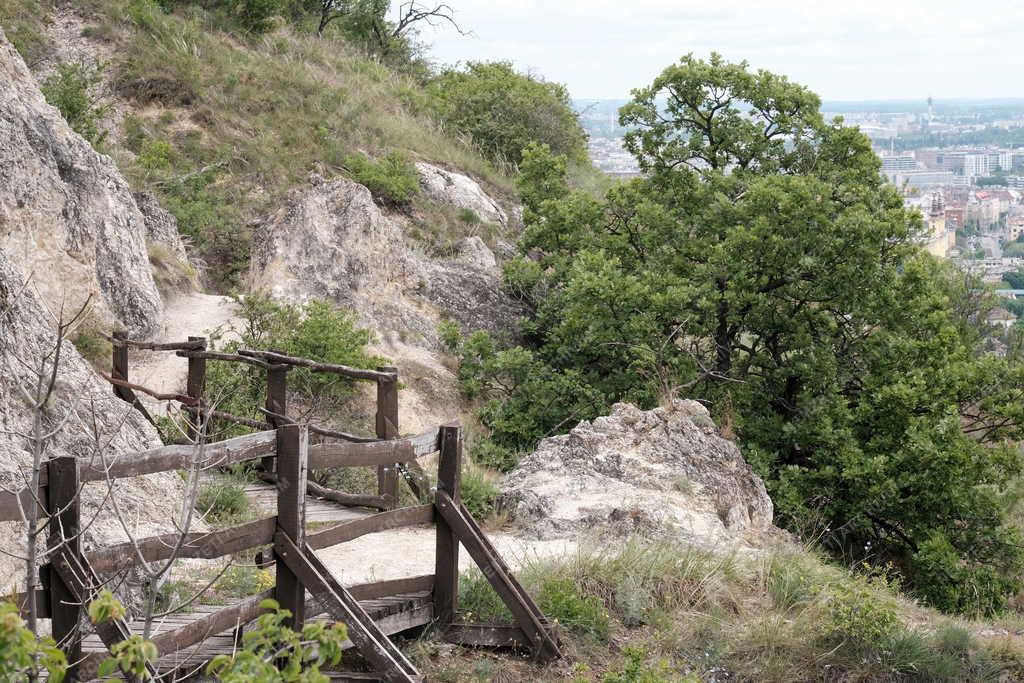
(192, 314)
(408, 552)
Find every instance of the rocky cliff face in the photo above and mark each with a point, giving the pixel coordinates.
(658, 472)
(67, 216)
(89, 423)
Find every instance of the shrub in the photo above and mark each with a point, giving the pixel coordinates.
(72, 89)
(316, 330)
(479, 492)
(240, 581)
(635, 669)
(391, 179)
(222, 501)
(563, 600)
(504, 111)
(858, 612)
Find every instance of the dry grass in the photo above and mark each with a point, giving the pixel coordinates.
(785, 616)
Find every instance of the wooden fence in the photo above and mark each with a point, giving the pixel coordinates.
(287, 452)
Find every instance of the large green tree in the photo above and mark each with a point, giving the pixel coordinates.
(762, 265)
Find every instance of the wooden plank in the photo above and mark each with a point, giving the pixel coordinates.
(446, 558)
(202, 545)
(167, 458)
(119, 339)
(14, 503)
(333, 368)
(64, 533)
(486, 635)
(381, 589)
(198, 630)
(383, 521)
(344, 454)
(119, 373)
(355, 499)
(526, 613)
(426, 442)
(371, 642)
(292, 455)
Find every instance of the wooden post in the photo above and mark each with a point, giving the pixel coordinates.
(63, 506)
(119, 362)
(195, 386)
(292, 457)
(387, 428)
(446, 568)
(277, 402)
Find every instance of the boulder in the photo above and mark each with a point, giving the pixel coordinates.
(658, 472)
(89, 423)
(460, 191)
(66, 213)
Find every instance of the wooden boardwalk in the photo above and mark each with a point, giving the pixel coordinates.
(393, 614)
(264, 497)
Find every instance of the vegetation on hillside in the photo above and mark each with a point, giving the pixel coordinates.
(231, 105)
(504, 111)
(762, 265)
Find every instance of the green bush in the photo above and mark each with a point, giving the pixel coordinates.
(316, 330)
(504, 111)
(222, 501)
(241, 581)
(391, 179)
(562, 600)
(635, 669)
(73, 90)
(857, 611)
(479, 492)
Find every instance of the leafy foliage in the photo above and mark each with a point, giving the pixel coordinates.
(223, 502)
(504, 111)
(762, 264)
(22, 655)
(316, 330)
(271, 652)
(391, 179)
(73, 89)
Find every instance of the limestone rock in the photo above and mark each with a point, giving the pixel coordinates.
(460, 191)
(97, 425)
(658, 472)
(161, 226)
(331, 241)
(66, 213)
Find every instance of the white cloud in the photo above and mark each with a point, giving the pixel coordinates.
(843, 50)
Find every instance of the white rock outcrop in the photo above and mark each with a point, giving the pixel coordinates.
(460, 191)
(67, 216)
(665, 471)
(331, 241)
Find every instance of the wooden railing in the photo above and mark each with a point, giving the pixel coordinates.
(72, 576)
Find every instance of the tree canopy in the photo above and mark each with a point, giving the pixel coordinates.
(763, 266)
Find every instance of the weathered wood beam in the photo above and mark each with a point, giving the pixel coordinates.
(383, 521)
(487, 635)
(338, 454)
(199, 545)
(344, 370)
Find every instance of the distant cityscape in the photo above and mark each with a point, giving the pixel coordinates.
(961, 164)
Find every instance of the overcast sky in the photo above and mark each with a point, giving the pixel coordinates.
(850, 50)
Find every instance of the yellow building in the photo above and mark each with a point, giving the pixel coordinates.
(938, 239)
